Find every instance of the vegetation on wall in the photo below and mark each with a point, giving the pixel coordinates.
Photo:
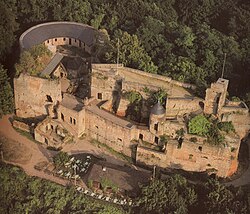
(210, 128)
(199, 125)
(34, 60)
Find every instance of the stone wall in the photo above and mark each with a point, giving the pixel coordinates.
(159, 77)
(108, 132)
(192, 156)
(178, 106)
(216, 96)
(67, 41)
(150, 157)
(31, 95)
(21, 125)
(73, 120)
(102, 85)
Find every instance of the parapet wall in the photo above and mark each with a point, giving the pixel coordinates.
(120, 67)
(159, 77)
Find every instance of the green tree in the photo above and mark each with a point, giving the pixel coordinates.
(199, 125)
(8, 27)
(60, 159)
(6, 93)
(131, 52)
(217, 198)
(226, 126)
(174, 195)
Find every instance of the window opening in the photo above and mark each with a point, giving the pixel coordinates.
(49, 99)
(200, 148)
(99, 96)
(156, 127)
(62, 116)
(156, 140)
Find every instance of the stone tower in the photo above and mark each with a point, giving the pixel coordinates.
(157, 116)
(216, 96)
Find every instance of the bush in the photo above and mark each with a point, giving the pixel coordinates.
(199, 125)
(226, 127)
(60, 159)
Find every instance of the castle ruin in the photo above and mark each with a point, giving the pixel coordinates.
(79, 97)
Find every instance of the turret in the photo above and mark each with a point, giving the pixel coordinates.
(157, 115)
(216, 96)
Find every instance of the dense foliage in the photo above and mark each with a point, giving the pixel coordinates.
(199, 125)
(173, 195)
(210, 128)
(23, 194)
(6, 94)
(60, 159)
(176, 195)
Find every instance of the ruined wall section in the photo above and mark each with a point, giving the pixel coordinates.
(178, 106)
(31, 95)
(102, 85)
(192, 156)
(216, 96)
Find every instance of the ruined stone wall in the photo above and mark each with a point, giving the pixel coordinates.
(150, 157)
(31, 95)
(143, 133)
(192, 156)
(107, 132)
(133, 86)
(181, 105)
(240, 121)
(149, 76)
(171, 126)
(102, 85)
(21, 125)
(216, 96)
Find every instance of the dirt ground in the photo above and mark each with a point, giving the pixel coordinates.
(15, 151)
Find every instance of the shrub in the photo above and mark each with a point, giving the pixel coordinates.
(60, 159)
(226, 127)
(199, 125)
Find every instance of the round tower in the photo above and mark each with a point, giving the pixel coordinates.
(156, 118)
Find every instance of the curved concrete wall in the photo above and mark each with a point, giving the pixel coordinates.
(58, 33)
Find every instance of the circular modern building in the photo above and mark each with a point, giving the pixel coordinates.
(59, 33)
